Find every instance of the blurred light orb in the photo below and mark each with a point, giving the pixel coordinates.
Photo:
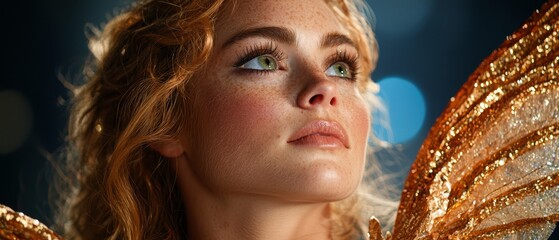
(15, 121)
(399, 18)
(406, 109)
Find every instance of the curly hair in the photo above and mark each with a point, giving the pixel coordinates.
(136, 93)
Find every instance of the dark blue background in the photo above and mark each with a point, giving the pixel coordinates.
(42, 39)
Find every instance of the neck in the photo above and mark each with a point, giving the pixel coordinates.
(251, 217)
(254, 217)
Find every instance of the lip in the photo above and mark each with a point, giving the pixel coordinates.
(321, 133)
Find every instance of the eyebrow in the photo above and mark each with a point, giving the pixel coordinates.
(335, 39)
(280, 34)
(287, 36)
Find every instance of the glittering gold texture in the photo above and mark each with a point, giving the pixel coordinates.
(489, 168)
(15, 225)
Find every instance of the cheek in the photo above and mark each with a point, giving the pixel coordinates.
(230, 122)
(363, 122)
(359, 126)
(243, 111)
(359, 120)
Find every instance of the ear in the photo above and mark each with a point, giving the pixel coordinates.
(168, 148)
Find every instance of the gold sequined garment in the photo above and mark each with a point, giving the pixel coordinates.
(489, 167)
(15, 225)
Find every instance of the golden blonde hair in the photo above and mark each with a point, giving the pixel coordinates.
(135, 94)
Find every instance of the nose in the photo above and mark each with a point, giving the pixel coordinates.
(318, 92)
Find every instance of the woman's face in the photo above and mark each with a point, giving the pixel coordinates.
(277, 111)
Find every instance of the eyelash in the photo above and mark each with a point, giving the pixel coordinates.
(343, 56)
(258, 50)
(350, 59)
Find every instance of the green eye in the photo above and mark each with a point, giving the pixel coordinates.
(339, 69)
(263, 62)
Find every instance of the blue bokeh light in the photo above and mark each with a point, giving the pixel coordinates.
(401, 17)
(406, 109)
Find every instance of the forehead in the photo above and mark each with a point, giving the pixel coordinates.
(311, 16)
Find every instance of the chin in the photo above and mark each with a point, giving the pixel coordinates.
(329, 186)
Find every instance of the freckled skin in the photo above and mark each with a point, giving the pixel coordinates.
(237, 141)
(239, 175)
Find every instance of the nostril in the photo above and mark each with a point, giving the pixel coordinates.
(318, 93)
(316, 99)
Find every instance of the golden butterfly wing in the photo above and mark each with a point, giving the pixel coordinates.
(489, 167)
(15, 225)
